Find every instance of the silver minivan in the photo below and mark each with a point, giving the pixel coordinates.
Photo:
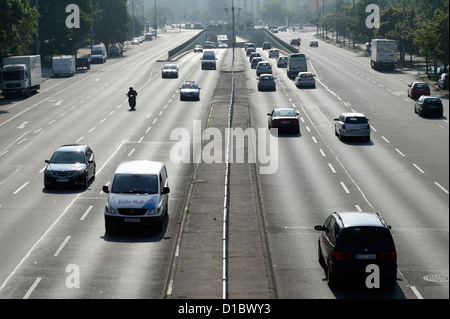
(139, 195)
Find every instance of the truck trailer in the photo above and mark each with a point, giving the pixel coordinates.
(384, 54)
(64, 65)
(21, 75)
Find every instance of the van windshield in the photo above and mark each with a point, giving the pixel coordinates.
(135, 183)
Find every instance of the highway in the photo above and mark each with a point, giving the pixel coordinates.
(47, 237)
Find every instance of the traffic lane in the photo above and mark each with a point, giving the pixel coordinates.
(388, 179)
(301, 194)
(393, 82)
(319, 117)
(387, 113)
(130, 151)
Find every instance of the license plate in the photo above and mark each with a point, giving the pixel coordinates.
(285, 122)
(62, 180)
(132, 220)
(432, 106)
(366, 256)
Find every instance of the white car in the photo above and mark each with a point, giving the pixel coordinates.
(263, 67)
(305, 79)
(135, 41)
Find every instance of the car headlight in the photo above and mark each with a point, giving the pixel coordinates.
(109, 210)
(153, 211)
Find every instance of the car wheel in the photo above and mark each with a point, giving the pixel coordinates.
(319, 253)
(341, 138)
(331, 278)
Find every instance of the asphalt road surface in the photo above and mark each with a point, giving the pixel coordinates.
(47, 236)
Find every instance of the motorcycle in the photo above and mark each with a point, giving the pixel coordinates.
(132, 101)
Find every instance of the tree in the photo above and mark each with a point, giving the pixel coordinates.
(17, 27)
(54, 35)
(112, 24)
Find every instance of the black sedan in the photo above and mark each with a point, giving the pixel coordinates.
(284, 119)
(71, 164)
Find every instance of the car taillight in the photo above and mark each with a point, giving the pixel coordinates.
(389, 256)
(368, 126)
(343, 126)
(338, 256)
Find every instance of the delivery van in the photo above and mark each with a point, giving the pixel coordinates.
(64, 65)
(98, 54)
(208, 60)
(139, 195)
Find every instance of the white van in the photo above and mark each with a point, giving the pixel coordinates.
(98, 53)
(296, 63)
(139, 195)
(208, 60)
(63, 65)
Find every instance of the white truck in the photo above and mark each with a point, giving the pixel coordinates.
(21, 75)
(384, 54)
(296, 63)
(64, 65)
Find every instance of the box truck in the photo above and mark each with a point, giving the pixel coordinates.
(384, 54)
(296, 63)
(64, 65)
(21, 75)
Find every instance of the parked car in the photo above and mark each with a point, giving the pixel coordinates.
(255, 62)
(416, 89)
(70, 164)
(263, 67)
(169, 71)
(440, 71)
(429, 105)
(198, 48)
(443, 81)
(305, 79)
(115, 51)
(266, 82)
(189, 90)
(352, 125)
(314, 44)
(350, 241)
(135, 41)
(284, 119)
(282, 62)
(274, 53)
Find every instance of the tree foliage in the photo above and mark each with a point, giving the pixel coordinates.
(17, 27)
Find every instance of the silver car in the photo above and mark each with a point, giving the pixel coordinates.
(169, 71)
(274, 53)
(263, 67)
(352, 125)
(266, 82)
(305, 79)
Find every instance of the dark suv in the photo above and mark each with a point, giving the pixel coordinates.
(350, 241)
(70, 164)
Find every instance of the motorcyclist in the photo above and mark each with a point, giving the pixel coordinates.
(132, 96)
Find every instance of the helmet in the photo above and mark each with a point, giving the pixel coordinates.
(131, 88)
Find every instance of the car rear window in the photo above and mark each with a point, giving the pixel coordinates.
(284, 113)
(432, 101)
(421, 86)
(355, 120)
(365, 237)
